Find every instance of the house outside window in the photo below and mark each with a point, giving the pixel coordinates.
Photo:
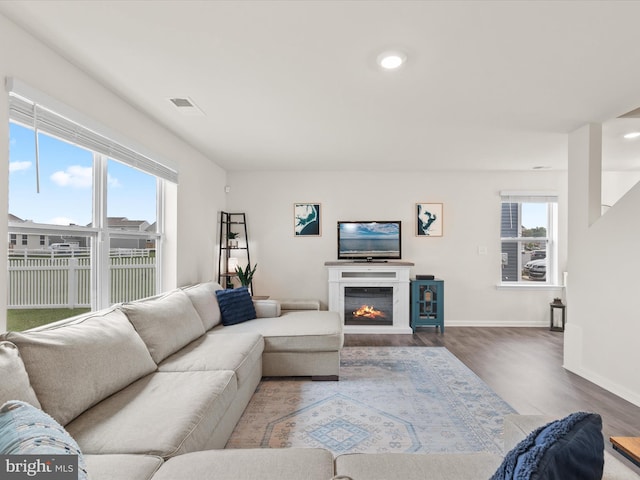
(528, 226)
(94, 233)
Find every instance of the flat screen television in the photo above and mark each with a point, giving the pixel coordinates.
(369, 241)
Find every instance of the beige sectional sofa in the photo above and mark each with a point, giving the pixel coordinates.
(162, 377)
(154, 388)
(318, 464)
(459, 466)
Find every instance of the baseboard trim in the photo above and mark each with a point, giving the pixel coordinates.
(607, 384)
(493, 323)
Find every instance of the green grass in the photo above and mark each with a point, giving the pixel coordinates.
(23, 319)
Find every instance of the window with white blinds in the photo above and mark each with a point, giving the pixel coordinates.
(85, 214)
(40, 118)
(528, 224)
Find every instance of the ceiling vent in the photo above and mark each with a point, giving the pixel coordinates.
(186, 106)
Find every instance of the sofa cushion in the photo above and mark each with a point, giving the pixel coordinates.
(239, 353)
(295, 331)
(166, 323)
(15, 380)
(122, 467)
(572, 447)
(163, 414)
(27, 430)
(432, 466)
(72, 366)
(203, 297)
(236, 305)
(250, 464)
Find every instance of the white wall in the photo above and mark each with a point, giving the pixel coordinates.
(601, 340)
(291, 266)
(196, 201)
(616, 184)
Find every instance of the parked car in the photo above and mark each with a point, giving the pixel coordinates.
(538, 254)
(64, 246)
(535, 269)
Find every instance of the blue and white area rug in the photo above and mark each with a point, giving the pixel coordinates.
(388, 399)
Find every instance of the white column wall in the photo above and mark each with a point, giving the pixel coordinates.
(601, 338)
(615, 184)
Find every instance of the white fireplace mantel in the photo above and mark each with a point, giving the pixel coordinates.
(372, 274)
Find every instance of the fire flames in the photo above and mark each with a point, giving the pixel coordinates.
(368, 311)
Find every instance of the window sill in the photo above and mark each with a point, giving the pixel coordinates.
(528, 286)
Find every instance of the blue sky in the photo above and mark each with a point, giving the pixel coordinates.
(534, 215)
(66, 183)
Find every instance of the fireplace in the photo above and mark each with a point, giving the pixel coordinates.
(368, 305)
(379, 290)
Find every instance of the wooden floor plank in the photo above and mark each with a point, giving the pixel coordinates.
(524, 367)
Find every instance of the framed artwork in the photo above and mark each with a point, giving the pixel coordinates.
(306, 220)
(428, 219)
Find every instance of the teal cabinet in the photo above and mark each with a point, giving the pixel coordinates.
(427, 304)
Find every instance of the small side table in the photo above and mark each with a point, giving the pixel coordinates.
(629, 447)
(427, 304)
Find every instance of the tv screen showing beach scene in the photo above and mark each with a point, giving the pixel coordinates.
(367, 240)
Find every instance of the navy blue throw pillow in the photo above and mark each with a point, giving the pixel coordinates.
(568, 449)
(235, 305)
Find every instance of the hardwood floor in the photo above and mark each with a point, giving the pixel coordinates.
(524, 367)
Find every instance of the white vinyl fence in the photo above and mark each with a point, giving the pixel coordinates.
(65, 282)
(132, 278)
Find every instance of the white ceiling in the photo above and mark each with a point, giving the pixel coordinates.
(293, 85)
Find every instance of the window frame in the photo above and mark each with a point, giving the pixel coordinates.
(98, 233)
(101, 291)
(550, 240)
(35, 109)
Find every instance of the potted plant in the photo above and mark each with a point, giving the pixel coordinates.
(232, 239)
(245, 276)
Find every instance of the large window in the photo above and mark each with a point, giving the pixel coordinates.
(56, 187)
(85, 213)
(528, 233)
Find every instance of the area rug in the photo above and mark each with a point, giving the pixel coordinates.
(388, 399)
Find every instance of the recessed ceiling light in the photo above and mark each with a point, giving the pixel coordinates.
(631, 135)
(391, 60)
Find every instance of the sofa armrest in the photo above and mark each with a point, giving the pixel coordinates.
(517, 427)
(267, 308)
(296, 304)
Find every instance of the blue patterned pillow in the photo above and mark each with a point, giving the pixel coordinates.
(27, 430)
(568, 449)
(235, 305)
